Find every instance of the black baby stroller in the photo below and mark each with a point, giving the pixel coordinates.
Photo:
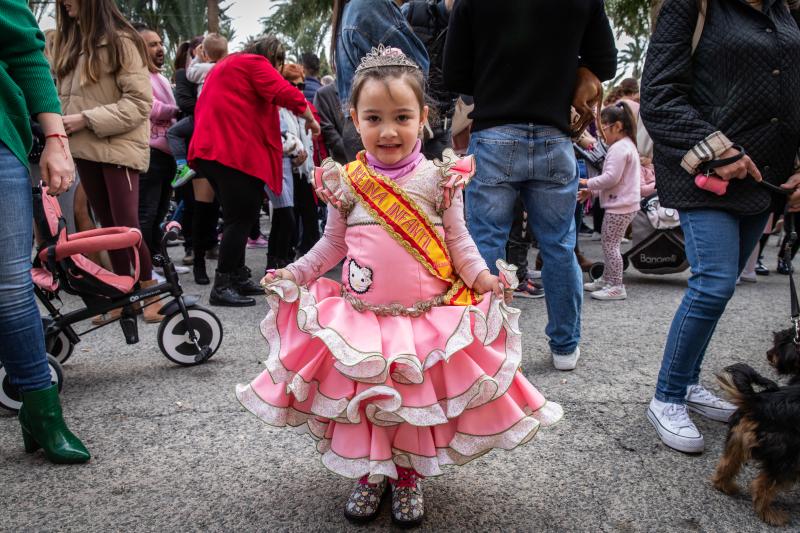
(188, 334)
(657, 245)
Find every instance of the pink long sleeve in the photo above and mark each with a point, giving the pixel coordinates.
(326, 254)
(648, 180)
(613, 169)
(466, 258)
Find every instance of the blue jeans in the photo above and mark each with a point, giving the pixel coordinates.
(22, 350)
(718, 245)
(536, 163)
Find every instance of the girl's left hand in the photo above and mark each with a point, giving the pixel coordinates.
(487, 282)
(74, 123)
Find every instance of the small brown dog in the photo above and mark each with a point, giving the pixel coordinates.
(766, 427)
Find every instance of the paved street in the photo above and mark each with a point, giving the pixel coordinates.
(172, 450)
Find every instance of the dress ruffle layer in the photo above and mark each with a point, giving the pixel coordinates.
(384, 391)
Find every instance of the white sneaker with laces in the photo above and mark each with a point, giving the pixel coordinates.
(702, 401)
(615, 292)
(595, 285)
(567, 362)
(674, 427)
(179, 269)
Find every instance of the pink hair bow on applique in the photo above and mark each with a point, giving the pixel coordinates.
(457, 172)
(327, 183)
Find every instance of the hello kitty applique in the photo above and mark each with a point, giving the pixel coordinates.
(359, 278)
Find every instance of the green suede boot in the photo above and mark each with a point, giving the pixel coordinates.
(44, 427)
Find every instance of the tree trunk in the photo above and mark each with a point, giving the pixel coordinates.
(213, 16)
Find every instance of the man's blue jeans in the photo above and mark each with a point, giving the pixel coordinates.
(22, 350)
(717, 246)
(538, 164)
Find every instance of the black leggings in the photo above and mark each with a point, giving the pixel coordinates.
(240, 195)
(280, 251)
(305, 213)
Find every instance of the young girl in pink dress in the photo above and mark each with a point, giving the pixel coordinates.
(412, 362)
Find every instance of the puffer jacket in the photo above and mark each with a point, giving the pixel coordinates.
(741, 86)
(117, 111)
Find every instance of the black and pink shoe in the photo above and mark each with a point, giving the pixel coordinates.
(365, 500)
(408, 507)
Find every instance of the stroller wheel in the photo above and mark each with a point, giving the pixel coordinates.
(9, 396)
(60, 347)
(173, 337)
(596, 271)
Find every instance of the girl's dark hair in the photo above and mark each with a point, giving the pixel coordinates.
(413, 76)
(620, 112)
(269, 47)
(98, 22)
(180, 56)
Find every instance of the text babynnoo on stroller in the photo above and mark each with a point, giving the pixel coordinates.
(188, 334)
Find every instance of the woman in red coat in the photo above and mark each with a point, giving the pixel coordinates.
(237, 146)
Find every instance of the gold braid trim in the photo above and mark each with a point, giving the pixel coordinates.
(390, 230)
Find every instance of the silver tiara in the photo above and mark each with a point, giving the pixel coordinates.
(385, 56)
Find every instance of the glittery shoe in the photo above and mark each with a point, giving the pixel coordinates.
(408, 508)
(365, 500)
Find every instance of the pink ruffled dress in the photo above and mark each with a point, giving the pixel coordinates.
(380, 388)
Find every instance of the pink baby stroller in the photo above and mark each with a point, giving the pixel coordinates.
(188, 334)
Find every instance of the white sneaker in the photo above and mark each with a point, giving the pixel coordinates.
(595, 285)
(702, 401)
(567, 362)
(615, 292)
(596, 236)
(674, 427)
(179, 269)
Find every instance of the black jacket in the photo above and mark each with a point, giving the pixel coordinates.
(743, 80)
(331, 121)
(185, 93)
(519, 58)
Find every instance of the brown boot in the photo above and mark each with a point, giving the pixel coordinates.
(151, 315)
(583, 262)
(105, 318)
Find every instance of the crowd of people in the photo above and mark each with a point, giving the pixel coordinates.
(389, 369)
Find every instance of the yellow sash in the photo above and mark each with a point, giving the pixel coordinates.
(402, 218)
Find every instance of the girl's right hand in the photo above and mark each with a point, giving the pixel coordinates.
(272, 275)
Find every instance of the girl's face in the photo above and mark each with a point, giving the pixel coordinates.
(613, 132)
(389, 119)
(71, 6)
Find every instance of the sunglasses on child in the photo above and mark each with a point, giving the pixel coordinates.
(300, 85)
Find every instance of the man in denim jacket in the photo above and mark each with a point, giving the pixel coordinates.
(525, 64)
(362, 25)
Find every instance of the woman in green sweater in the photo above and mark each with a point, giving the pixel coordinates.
(26, 89)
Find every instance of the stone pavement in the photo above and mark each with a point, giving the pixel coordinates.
(173, 450)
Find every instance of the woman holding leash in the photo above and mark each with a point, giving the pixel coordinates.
(720, 98)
